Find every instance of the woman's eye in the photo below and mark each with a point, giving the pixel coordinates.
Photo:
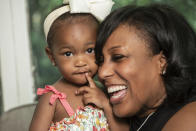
(117, 57)
(90, 50)
(68, 53)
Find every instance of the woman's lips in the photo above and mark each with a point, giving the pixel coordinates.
(117, 93)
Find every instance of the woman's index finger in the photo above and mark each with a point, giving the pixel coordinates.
(90, 81)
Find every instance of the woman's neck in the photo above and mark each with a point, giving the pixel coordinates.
(150, 109)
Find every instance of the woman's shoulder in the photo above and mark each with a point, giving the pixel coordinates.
(183, 120)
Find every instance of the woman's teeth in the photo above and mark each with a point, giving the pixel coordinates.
(113, 89)
(117, 93)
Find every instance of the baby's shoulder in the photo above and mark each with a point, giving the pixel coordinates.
(44, 102)
(46, 96)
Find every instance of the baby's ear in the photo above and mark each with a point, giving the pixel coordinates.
(50, 55)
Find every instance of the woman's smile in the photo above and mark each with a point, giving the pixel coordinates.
(117, 93)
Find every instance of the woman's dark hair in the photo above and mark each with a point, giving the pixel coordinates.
(71, 18)
(166, 31)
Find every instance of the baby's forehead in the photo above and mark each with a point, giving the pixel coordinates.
(77, 19)
(74, 26)
(75, 33)
(75, 36)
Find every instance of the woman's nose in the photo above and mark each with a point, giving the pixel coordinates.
(105, 71)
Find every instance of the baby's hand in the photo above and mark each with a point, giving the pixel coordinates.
(92, 94)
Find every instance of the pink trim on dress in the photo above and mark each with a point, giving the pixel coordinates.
(56, 95)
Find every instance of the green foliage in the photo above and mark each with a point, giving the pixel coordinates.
(45, 73)
(120, 3)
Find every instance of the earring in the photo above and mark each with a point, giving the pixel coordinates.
(163, 72)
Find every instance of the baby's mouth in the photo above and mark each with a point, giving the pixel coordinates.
(81, 72)
(117, 93)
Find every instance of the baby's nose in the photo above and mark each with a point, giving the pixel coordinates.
(80, 62)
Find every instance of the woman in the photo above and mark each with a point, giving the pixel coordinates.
(147, 59)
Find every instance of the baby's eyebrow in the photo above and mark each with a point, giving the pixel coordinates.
(65, 47)
(90, 43)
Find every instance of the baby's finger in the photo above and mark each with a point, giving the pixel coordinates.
(90, 81)
(88, 100)
(83, 90)
(92, 101)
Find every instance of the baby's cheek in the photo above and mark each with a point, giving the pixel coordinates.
(95, 68)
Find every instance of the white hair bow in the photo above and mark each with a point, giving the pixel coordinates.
(98, 8)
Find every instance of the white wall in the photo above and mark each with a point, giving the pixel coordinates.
(15, 62)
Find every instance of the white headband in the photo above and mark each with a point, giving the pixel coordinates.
(99, 8)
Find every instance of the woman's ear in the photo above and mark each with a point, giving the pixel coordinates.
(50, 55)
(162, 63)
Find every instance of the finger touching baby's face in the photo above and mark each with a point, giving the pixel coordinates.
(73, 52)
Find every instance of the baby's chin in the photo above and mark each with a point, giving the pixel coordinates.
(79, 82)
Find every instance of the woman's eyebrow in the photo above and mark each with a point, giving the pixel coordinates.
(114, 47)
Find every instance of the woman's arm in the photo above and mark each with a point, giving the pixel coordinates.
(43, 114)
(183, 120)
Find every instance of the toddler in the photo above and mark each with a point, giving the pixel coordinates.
(71, 37)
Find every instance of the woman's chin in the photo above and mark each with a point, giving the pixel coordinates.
(120, 114)
(119, 111)
(122, 110)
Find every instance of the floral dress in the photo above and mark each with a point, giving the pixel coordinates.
(84, 119)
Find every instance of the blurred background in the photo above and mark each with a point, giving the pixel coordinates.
(24, 66)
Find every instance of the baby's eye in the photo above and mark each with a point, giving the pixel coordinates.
(117, 57)
(68, 53)
(90, 50)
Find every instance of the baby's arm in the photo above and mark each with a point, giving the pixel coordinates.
(43, 114)
(94, 95)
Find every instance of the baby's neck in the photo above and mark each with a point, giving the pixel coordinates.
(62, 83)
(74, 100)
